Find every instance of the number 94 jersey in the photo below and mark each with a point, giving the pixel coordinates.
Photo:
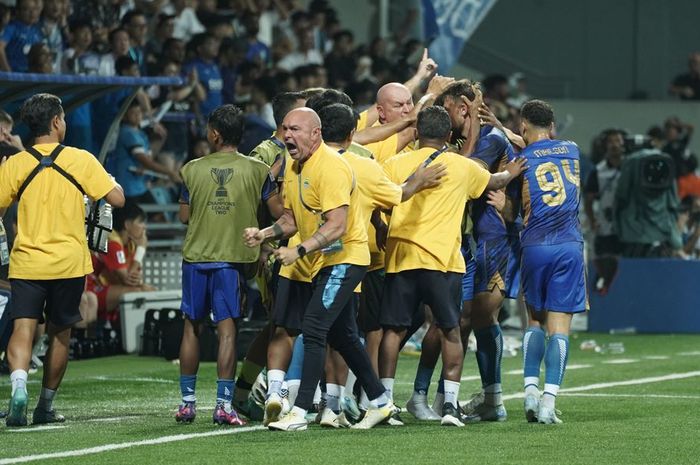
(551, 193)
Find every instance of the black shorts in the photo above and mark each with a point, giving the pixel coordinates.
(404, 291)
(290, 303)
(57, 299)
(371, 301)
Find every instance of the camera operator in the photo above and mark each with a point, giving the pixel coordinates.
(646, 202)
(599, 203)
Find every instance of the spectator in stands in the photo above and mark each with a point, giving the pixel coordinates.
(9, 143)
(132, 160)
(120, 270)
(5, 16)
(341, 63)
(286, 82)
(304, 54)
(120, 45)
(165, 26)
(40, 59)
(135, 23)
(207, 47)
(311, 76)
(200, 148)
(687, 86)
(186, 23)
(231, 55)
(79, 58)
(175, 50)
(50, 259)
(688, 179)
(19, 35)
(689, 226)
(180, 99)
(54, 24)
(264, 90)
(257, 50)
(657, 137)
(678, 134)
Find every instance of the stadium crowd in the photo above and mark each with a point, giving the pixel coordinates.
(391, 150)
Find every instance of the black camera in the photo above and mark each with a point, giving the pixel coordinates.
(637, 142)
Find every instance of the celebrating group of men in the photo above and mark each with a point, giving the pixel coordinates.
(373, 219)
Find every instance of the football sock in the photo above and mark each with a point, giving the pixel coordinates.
(533, 353)
(555, 360)
(224, 392)
(187, 386)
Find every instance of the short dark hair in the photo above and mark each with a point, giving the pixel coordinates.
(131, 14)
(538, 112)
(343, 33)
(228, 120)
(283, 103)
(337, 122)
(267, 85)
(114, 32)
(434, 123)
(124, 63)
(130, 211)
(38, 111)
(455, 91)
(328, 97)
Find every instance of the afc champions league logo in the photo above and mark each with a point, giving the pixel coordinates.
(221, 177)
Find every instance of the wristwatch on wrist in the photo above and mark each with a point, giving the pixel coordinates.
(301, 250)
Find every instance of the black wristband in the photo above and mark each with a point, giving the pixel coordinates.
(301, 250)
(277, 231)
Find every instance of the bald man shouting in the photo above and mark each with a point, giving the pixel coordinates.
(321, 202)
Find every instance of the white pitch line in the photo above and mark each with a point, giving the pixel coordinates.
(629, 382)
(33, 429)
(656, 357)
(695, 352)
(108, 419)
(127, 445)
(568, 367)
(620, 361)
(635, 396)
(184, 437)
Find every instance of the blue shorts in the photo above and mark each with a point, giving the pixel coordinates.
(215, 290)
(554, 277)
(468, 276)
(498, 266)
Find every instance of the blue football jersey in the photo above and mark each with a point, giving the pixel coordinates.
(493, 151)
(550, 193)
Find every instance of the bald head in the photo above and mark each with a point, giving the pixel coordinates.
(301, 133)
(394, 101)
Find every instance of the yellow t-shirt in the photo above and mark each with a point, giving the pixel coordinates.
(322, 183)
(425, 231)
(362, 122)
(51, 242)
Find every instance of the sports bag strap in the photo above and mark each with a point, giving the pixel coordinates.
(46, 162)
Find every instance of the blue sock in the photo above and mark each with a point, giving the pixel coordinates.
(224, 391)
(489, 353)
(555, 360)
(297, 362)
(441, 385)
(187, 385)
(422, 381)
(533, 352)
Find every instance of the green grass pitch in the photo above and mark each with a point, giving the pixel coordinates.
(638, 407)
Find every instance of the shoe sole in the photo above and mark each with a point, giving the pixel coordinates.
(272, 412)
(449, 420)
(17, 416)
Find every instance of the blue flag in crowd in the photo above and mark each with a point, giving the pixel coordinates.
(450, 23)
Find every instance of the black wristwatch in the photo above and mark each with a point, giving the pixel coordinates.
(301, 250)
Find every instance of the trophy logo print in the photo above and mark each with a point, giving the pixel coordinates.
(221, 177)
